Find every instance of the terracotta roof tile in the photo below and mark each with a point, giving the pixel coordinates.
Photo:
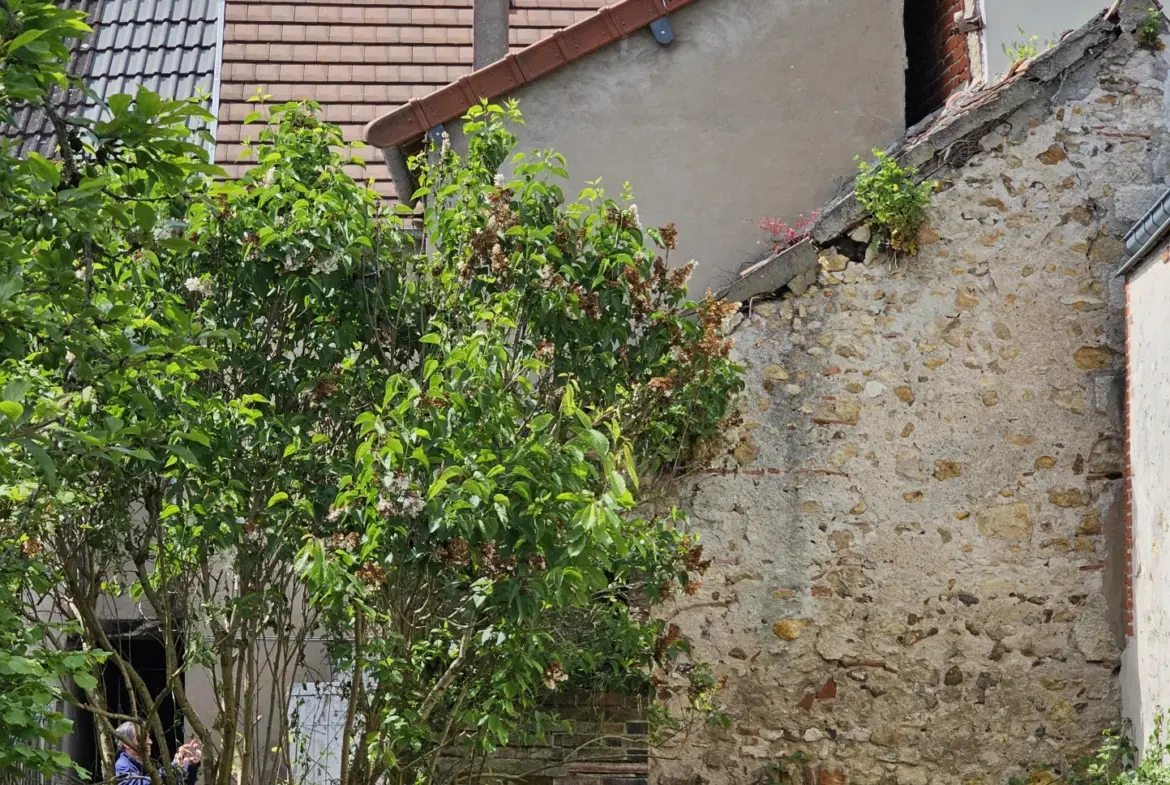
(360, 59)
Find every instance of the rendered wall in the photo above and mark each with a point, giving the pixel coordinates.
(757, 109)
(1147, 667)
(1048, 19)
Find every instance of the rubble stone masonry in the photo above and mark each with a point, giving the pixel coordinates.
(911, 573)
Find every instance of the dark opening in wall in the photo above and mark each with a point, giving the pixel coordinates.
(938, 62)
(145, 652)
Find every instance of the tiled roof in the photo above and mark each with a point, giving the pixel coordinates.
(31, 126)
(610, 24)
(358, 58)
(167, 46)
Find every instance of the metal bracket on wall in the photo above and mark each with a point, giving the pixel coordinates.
(968, 24)
(663, 33)
(436, 134)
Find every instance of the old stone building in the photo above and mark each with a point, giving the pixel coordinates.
(919, 554)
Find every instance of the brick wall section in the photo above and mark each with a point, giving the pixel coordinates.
(357, 58)
(607, 744)
(1128, 598)
(939, 63)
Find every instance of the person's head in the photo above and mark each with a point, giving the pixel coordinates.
(127, 736)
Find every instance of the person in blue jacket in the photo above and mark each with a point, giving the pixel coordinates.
(130, 767)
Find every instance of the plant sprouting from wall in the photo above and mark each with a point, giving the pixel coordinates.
(895, 202)
(782, 236)
(1116, 760)
(1149, 33)
(1026, 49)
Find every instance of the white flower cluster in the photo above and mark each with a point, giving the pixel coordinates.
(400, 499)
(201, 286)
(634, 214)
(500, 180)
(326, 266)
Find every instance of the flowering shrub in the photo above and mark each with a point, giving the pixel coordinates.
(258, 409)
(1149, 32)
(782, 236)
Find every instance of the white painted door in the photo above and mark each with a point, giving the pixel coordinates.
(316, 716)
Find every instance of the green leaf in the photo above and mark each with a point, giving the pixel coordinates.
(144, 217)
(11, 409)
(595, 440)
(43, 460)
(15, 390)
(9, 285)
(199, 437)
(85, 681)
(24, 39)
(277, 498)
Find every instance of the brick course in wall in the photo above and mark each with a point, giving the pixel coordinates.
(357, 58)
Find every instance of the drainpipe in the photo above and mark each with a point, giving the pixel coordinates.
(491, 32)
(404, 184)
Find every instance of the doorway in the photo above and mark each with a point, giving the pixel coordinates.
(146, 654)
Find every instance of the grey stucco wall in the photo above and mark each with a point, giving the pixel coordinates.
(757, 109)
(1047, 19)
(1147, 667)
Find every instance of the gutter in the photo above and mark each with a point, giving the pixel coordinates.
(1150, 230)
(611, 23)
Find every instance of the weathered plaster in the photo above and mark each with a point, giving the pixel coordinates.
(1148, 663)
(909, 535)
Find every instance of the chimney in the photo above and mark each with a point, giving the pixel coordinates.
(491, 31)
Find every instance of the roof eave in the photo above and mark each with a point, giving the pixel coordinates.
(611, 23)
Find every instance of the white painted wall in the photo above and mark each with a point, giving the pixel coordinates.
(1146, 669)
(1045, 18)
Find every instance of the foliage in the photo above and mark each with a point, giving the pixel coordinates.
(895, 202)
(1026, 49)
(33, 49)
(258, 410)
(781, 236)
(486, 548)
(1115, 762)
(1149, 32)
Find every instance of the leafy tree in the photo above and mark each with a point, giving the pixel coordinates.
(259, 413)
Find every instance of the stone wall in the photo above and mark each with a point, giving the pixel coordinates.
(1146, 673)
(910, 579)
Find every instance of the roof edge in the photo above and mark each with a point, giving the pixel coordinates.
(609, 24)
